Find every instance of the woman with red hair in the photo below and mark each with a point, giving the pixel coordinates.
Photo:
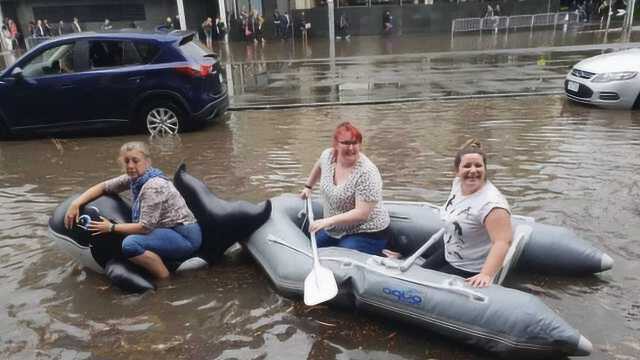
(351, 189)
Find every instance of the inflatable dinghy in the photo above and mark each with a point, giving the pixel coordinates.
(495, 318)
(223, 223)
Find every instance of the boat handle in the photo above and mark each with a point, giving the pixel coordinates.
(457, 286)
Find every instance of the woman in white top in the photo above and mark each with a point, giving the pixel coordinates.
(478, 222)
(351, 188)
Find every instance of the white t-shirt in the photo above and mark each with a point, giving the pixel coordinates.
(467, 242)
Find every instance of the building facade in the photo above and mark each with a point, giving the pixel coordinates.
(365, 16)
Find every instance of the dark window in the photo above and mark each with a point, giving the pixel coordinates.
(347, 3)
(146, 50)
(93, 13)
(108, 53)
(384, 2)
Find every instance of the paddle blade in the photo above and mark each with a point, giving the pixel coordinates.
(319, 286)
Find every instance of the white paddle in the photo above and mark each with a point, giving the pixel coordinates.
(320, 285)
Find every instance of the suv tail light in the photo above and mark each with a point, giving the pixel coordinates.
(196, 71)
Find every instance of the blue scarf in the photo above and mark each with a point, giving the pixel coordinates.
(136, 186)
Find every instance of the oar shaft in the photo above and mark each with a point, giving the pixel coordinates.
(314, 246)
(411, 259)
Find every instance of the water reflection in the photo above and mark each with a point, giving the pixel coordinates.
(366, 46)
(397, 78)
(561, 163)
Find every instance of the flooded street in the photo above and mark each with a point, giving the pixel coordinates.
(408, 68)
(562, 164)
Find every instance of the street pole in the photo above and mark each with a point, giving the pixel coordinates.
(332, 47)
(332, 37)
(222, 9)
(2, 41)
(181, 17)
(628, 20)
(608, 19)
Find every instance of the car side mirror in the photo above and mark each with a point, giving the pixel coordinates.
(17, 73)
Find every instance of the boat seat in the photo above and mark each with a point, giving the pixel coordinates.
(520, 237)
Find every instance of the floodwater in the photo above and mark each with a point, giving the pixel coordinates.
(563, 164)
(367, 46)
(412, 67)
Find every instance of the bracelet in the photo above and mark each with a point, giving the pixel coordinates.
(308, 187)
(112, 228)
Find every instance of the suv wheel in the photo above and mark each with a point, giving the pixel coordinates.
(162, 118)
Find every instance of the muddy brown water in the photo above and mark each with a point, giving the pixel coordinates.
(563, 164)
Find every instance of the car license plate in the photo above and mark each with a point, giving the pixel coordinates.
(573, 86)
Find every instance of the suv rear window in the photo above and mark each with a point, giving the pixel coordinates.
(146, 50)
(194, 50)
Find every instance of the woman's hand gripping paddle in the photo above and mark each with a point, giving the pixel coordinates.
(320, 285)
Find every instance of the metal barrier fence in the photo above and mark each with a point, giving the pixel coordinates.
(513, 22)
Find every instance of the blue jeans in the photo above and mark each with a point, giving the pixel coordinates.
(370, 243)
(169, 243)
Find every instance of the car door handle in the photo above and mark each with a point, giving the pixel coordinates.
(66, 86)
(135, 79)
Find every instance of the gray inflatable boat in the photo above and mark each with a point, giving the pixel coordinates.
(495, 318)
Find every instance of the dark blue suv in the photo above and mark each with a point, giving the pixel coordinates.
(155, 82)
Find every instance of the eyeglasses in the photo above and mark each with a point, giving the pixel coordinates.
(348, 142)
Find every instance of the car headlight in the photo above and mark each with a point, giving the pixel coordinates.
(614, 76)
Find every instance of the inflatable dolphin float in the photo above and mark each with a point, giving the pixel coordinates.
(223, 223)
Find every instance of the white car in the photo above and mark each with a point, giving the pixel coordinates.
(609, 80)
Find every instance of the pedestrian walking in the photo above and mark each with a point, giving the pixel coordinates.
(304, 26)
(343, 27)
(13, 30)
(106, 26)
(207, 29)
(488, 11)
(47, 28)
(249, 25)
(284, 25)
(260, 28)
(75, 25)
(387, 23)
(276, 24)
(6, 36)
(39, 29)
(61, 30)
(31, 28)
(221, 28)
(168, 23)
(133, 26)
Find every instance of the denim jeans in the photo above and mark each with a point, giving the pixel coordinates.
(364, 242)
(169, 243)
